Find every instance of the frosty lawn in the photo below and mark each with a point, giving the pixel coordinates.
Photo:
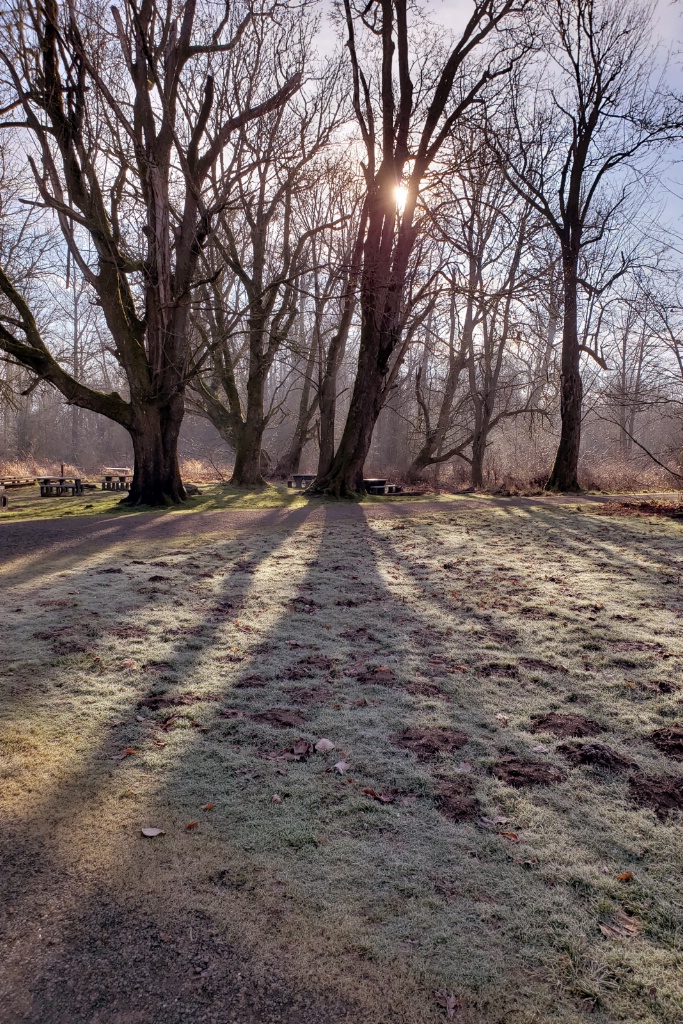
(475, 852)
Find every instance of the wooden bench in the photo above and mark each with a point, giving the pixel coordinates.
(301, 480)
(117, 478)
(58, 486)
(15, 481)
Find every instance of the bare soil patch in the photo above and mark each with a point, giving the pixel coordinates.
(252, 682)
(428, 742)
(456, 800)
(596, 755)
(538, 665)
(518, 772)
(425, 690)
(310, 666)
(280, 718)
(669, 741)
(662, 793)
(656, 687)
(566, 725)
(379, 674)
(666, 509)
(155, 701)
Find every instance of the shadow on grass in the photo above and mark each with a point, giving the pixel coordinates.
(375, 877)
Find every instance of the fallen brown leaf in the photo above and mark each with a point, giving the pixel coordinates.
(448, 1002)
(207, 807)
(190, 825)
(125, 753)
(620, 926)
(383, 798)
(625, 876)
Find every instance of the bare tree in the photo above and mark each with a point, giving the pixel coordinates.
(582, 120)
(258, 259)
(125, 114)
(405, 111)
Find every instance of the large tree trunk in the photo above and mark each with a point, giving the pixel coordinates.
(345, 475)
(248, 469)
(289, 462)
(478, 455)
(564, 476)
(156, 477)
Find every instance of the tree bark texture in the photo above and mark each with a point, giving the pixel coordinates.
(564, 475)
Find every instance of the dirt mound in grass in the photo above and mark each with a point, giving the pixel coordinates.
(253, 682)
(425, 690)
(380, 674)
(518, 772)
(310, 666)
(662, 793)
(596, 754)
(656, 687)
(669, 741)
(566, 725)
(456, 800)
(280, 718)
(426, 743)
(538, 665)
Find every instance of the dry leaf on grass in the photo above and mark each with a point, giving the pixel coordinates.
(620, 926)
(324, 746)
(625, 876)
(383, 798)
(125, 753)
(448, 1002)
(152, 832)
(342, 766)
(190, 825)
(207, 807)
(503, 719)
(276, 798)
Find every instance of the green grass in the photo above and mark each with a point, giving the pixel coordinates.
(500, 611)
(25, 503)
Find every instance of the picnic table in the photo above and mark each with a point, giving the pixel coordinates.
(301, 480)
(58, 486)
(117, 478)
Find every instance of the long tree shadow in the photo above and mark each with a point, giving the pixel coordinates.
(333, 641)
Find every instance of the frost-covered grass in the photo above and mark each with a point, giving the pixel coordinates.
(481, 619)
